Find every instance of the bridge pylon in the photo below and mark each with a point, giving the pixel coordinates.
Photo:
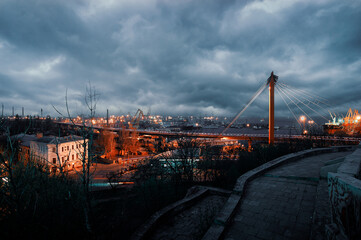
(271, 81)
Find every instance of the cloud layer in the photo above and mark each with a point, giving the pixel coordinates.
(177, 57)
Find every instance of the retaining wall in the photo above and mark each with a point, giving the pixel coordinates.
(345, 196)
(194, 194)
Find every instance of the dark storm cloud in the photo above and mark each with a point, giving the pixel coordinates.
(177, 57)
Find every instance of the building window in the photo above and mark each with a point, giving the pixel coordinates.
(54, 160)
(72, 146)
(67, 148)
(62, 149)
(72, 157)
(53, 149)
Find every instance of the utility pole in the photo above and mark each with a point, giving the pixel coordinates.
(107, 117)
(13, 112)
(22, 111)
(2, 110)
(41, 115)
(271, 119)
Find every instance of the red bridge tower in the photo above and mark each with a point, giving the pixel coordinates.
(271, 119)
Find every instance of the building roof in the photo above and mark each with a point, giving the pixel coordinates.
(45, 139)
(54, 140)
(25, 139)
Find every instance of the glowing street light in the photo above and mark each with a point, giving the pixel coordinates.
(303, 121)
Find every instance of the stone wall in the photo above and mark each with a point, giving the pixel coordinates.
(345, 196)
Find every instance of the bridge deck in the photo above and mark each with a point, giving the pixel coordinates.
(237, 134)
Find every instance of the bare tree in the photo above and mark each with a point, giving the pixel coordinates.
(114, 178)
(128, 141)
(182, 161)
(86, 152)
(106, 142)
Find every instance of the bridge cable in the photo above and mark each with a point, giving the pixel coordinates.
(259, 91)
(293, 101)
(279, 93)
(318, 98)
(317, 101)
(296, 104)
(299, 101)
(302, 93)
(307, 99)
(309, 95)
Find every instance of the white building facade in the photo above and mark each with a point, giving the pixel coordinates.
(67, 152)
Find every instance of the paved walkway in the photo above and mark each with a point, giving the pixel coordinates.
(282, 203)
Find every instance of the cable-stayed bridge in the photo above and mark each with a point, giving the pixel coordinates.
(299, 102)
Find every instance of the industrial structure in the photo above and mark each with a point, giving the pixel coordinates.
(350, 124)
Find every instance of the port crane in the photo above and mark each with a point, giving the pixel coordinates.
(136, 118)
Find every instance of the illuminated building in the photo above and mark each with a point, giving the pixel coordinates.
(67, 151)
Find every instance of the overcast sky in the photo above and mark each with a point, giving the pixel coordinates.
(177, 57)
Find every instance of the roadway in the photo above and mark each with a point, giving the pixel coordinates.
(100, 171)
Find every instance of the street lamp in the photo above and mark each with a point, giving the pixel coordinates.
(303, 121)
